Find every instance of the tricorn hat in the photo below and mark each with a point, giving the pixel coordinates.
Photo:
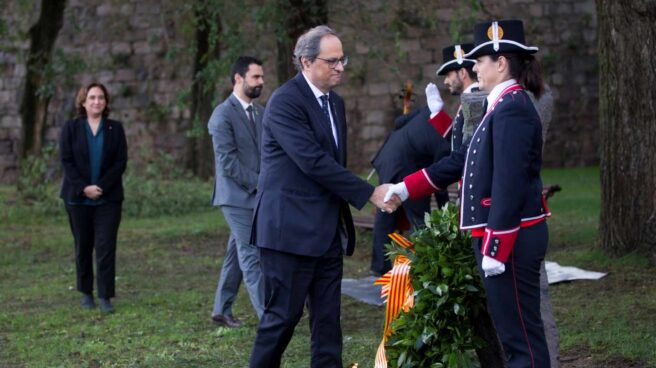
(498, 37)
(453, 58)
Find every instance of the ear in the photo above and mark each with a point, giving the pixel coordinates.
(238, 78)
(305, 62)
(503, 64)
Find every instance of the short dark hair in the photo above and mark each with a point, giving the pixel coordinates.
(241, 66)
(471, 73)
(82, 97)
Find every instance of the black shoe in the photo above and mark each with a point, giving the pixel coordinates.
(87, 301)
(106, 306)
(226, 321)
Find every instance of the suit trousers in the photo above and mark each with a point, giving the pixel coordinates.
(386, 223)
(242, 261)
(290, 281)
(514, 299)
(95, 227)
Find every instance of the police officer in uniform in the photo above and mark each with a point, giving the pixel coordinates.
(459, 78)
(419, 139)
(502, 203)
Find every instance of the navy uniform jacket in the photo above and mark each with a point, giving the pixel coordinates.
(456, 131)
(304, 188)
(500, 169)
(414, 144)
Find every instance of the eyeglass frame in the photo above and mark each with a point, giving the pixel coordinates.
(344, 60)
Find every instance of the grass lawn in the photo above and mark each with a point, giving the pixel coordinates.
(167, 270)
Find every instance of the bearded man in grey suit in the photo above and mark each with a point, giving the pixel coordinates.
(235, 129)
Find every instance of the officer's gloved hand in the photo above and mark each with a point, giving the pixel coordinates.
(433, 99)
(492, 267)
(399, 189)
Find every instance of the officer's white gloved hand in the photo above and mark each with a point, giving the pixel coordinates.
(492, 267)
(399, 189)
(433, 99)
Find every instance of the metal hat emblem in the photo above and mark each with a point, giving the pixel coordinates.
(490, 32)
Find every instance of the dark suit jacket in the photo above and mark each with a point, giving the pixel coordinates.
(304, 188)
(414, 144)
(74, 154)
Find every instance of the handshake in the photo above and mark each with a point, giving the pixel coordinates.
(388, 197)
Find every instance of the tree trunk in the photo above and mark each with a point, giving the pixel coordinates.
(299, 16)
(201, 159)
(34, 108)
(627, 114)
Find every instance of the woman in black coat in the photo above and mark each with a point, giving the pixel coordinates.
(93, 153)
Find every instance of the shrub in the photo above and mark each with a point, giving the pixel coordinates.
(149, 197)
(161, 187)
(35, 184)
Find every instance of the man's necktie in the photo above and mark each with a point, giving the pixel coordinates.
(324, 106)
(250, 116)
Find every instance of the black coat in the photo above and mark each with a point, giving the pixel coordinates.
(413, 144)
(74, 154)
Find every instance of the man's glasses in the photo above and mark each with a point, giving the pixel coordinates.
(332, 63)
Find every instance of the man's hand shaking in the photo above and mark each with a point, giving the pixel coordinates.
(379, 199)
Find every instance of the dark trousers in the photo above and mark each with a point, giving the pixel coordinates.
(95, 227)
(514, 299)
(386, 223)
(289, 281)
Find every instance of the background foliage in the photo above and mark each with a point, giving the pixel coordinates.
(162, 187)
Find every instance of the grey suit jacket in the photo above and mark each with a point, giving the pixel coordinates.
(236, 153)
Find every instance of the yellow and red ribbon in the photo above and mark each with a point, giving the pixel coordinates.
(397, 290)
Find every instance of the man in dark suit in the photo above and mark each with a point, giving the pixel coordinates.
(302, 222)
(413, 144)
(235, 129)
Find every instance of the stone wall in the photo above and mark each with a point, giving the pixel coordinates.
(390, 44)
(139, 49)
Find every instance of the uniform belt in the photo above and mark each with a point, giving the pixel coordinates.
(479, 232)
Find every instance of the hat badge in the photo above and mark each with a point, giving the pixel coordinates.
(495, 33)
(458, 54)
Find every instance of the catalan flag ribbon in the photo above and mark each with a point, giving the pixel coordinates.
(397, 290)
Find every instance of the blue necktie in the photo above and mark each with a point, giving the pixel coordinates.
(324, 106)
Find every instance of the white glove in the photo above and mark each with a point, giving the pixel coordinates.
(492, 267)
(433, 99)
(399, 189)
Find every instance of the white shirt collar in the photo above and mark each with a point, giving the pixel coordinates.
(317, 92)
(243, 103)
(471, 86)
(496, 91)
